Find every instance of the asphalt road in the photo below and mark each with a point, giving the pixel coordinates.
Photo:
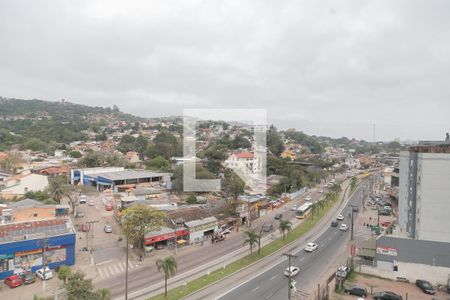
(141, 278)
(272, 284)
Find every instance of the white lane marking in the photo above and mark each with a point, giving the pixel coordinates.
(254, 290)
(101, 274)
(273, 277)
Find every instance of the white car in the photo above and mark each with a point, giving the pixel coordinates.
(294, 207)
(48, 273)
(293, 270)
(82, 199)
(310, 247)
(308, 198)
(340, 217)
(91, 202)
(321, 191)
(343, 227)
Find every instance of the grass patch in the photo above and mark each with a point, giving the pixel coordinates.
(205, 280)
(352, 277)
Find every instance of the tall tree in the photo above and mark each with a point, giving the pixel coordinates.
(285, 226)
(58, 188)
(169, 267)
(251, 238)
(79, 288)
(104, 294)
(233, 186)
(139, 219)
(353, 183)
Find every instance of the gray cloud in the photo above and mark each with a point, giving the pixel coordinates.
(328, 68)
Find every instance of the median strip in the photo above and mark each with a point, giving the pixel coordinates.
(236, 266)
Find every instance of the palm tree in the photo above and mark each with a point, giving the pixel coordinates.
(104, 294)
(169, 266)
(58, 188)
(251, 239)
(337, 187)
(353, 182)
(329, 196)
(285, 226)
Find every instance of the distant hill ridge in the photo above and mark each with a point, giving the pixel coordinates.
(11, 107)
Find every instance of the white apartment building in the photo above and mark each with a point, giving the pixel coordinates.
(424, 192)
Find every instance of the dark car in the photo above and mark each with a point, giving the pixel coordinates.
(425, 286)
(278, 216)
(356, 290)
(386, 296)
(334, 223)
(384, 212)
(355, 208)
(28, 278)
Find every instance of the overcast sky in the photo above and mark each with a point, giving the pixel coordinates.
(329, 68)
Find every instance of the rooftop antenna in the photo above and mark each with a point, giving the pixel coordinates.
(373, 133)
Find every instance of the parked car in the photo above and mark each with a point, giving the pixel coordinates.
(48, 273)
(107, 228)
(86, 227)
(79, 214)
(108, 207)
(356, 290)
(278, 216)
(321, 191)
(91, 202)
(293, 270)
(28, 278)
(340, 217)
(386, 296)
(308, 198)
(310, 247)
(343, 227)
(294, 207)
(425, 286)
(217, 237)
(267, 227)
(82, 199)
(384, 212)
(355, 208)
(13, 281)
(334, 223)
(343, 271)
(385, 224)
(225, 230)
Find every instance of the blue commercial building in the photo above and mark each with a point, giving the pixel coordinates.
(22, 245)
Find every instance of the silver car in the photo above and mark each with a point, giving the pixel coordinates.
(108, 229)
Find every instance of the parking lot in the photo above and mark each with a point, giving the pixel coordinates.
(374, 284)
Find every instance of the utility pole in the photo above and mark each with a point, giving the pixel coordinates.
(175, 238)
(351, 235)
(126, 270)
(44, 244)
(289, 256)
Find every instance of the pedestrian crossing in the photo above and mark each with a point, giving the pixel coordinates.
(110, 270)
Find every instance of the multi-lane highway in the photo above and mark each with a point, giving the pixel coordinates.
(272, 284)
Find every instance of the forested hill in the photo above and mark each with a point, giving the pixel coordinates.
(13, 108)
(36, 121)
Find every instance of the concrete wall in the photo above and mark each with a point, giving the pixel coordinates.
(411, 271)
(415, 251)
(433, 197)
